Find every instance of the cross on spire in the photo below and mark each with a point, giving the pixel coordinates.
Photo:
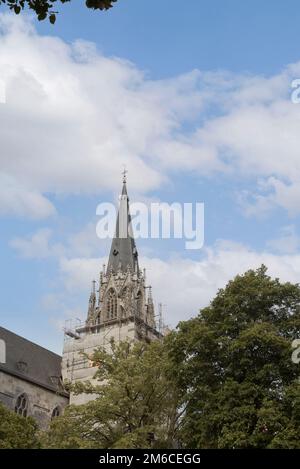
(124, 172)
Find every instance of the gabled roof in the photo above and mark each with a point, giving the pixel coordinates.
(123, 252)
(31, 362)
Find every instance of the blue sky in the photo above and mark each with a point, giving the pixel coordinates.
(166, 38)
(195, 101)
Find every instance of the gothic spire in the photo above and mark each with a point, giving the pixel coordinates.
(123, 252)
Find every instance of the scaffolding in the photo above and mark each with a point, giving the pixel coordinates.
(163, 328)
(76, 329)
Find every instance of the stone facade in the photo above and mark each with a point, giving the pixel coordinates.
(42, 404)
(30, 379)
(134, 320)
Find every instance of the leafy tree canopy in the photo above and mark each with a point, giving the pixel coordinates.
(135, 405)
(224, 379)
(17, 432)
(46, 8)
(233, 364)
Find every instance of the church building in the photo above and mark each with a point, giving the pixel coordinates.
(31, 377)
(122, 310)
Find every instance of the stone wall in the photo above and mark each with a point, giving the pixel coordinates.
(75, 367)
(78, 368)
(41, 402)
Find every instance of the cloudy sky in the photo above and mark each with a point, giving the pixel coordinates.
(196, 103)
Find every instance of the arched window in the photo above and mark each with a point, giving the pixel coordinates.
(111, 304)
(21, 407)
(55, 412)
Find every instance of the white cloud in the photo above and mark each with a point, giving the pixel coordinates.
(254, 134)
(62, 313)
(16, 199)
(192, 283)
(73, 116)
(288, 242)
(37, 246)
(85, 243)
(286, 195)
(41, 244)
(78, 273)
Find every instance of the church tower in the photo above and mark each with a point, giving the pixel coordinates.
(122, 310)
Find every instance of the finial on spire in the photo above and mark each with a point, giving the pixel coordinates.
(94, 287)
(124, 172)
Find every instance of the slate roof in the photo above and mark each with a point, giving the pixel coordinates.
(123, 252)
(31, 362)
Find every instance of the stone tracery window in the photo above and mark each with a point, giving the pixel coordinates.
(21, 407)
(111, 304)
(55, 412)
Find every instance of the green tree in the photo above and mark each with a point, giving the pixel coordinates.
(45, 8)
(233, 364)
(136, 404)
(17, 432)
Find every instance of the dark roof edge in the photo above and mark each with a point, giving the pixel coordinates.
(30, 341)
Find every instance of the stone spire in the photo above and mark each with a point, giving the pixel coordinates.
(123, 253)
(92, 301)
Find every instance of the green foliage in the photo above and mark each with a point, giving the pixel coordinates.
(44, 8)
(233, 364)
(224, 379)
(17, 432)
(135, 405)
